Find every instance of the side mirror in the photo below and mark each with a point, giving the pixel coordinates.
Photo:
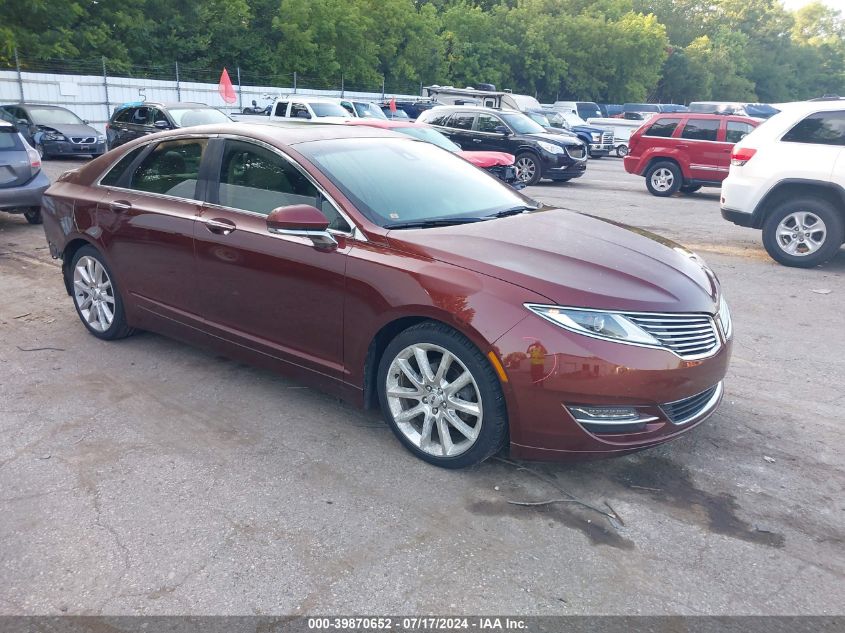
(85, 121)
(501, 129)
(301, 220)
(23, 122)
(161, 125)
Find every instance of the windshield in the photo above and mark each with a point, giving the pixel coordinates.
(368, 110)
(521, 124)
(54, 116)
(556, 119)
(539, 118)
(328, 109)
(573, 119)
(430, 135)
(399, 114)
(188, 117)
(393, 180)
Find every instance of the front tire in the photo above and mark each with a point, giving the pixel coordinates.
(528, 170)
(622, 151)
(803, 232)
(441, 397)
(663, 179)
(96, 296)
(33, 215)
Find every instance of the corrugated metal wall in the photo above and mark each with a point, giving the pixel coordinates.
(94, 97)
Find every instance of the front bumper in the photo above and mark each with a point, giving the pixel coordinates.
(505, 173)
(68, 148)
(570, 370)
(738, 217)
(601, 148)
(563, 166)
(24, 196)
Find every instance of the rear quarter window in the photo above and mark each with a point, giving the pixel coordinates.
(662, 127)
(10, 140)
(821, 128)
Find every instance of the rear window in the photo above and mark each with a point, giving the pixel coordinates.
(112, 178)
(662, 127)
(10, 140)
(701, 129)
(822, 128)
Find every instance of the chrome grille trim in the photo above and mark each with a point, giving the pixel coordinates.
(83, 140)
(607, 137)
(681, 412)
(690, 336)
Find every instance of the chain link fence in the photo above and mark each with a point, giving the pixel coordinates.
(93, 88)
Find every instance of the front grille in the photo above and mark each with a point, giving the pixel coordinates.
(607, 137)
(681, 411)
(575, 151)
(688, 335)
(83, 140)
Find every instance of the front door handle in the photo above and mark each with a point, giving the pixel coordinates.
(119, 206)
(476, 140)
(220, 226)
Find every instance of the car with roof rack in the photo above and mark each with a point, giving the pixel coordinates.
(140, 118)
(539, 154)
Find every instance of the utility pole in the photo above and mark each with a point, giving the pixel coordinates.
(106, 89)
(240, 94)
(20, 78)
(294, 82)
(178, 87)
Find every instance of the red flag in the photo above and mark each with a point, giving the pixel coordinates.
(226, 89)
(393, 104)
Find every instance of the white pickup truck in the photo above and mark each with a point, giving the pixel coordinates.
(304, 108)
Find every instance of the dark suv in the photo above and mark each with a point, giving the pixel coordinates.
(539, 154)
(134, 120)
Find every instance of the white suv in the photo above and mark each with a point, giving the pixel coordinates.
(787, 178)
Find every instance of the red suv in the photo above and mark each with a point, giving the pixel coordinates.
(685, 151)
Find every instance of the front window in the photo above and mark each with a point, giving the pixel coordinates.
(395, 181)
(521, 124)
(322, 109)
(53, 116)
(114, 176)
(368, 110)
(822, 128)
(172, 169)
(429, 135)
(185, 117)
(487, 123)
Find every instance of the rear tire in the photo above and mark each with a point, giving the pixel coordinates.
(663, 179)
(689, 188)
(33, 215)
(461, 418)
(803, 232)
(96, 296)
(528, 169)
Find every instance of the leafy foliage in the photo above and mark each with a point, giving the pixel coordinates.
(603, 50)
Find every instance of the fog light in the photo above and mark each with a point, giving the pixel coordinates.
(612, 415)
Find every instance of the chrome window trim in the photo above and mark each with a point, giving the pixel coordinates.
(720, 342)
(355, 233)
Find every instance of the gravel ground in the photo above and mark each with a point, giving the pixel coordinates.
(148, 477)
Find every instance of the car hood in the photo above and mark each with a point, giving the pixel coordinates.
(487, 159)
(574, 260)
(70, 129)
(557, 139)
(588, 128)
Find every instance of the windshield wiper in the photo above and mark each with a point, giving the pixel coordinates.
(513, 211)
(423, 224)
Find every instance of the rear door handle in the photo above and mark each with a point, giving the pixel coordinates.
(220, 226)
(119, 206)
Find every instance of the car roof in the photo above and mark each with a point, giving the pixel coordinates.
(385, 124)
(44, 106)
(697, 115)
(476, 108)
(289, 134)
(167, 104)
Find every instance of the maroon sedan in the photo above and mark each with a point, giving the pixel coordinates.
(392, 273)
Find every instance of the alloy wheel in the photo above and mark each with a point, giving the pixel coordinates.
(93, 293)
(525, 169)
(434, 400)
(801, 233)
(662, 179)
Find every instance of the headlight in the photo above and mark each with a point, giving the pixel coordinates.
(551, 148)
(53, 136)
(606, 325)
(725, 317)
(595, 136)
(101, 138)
